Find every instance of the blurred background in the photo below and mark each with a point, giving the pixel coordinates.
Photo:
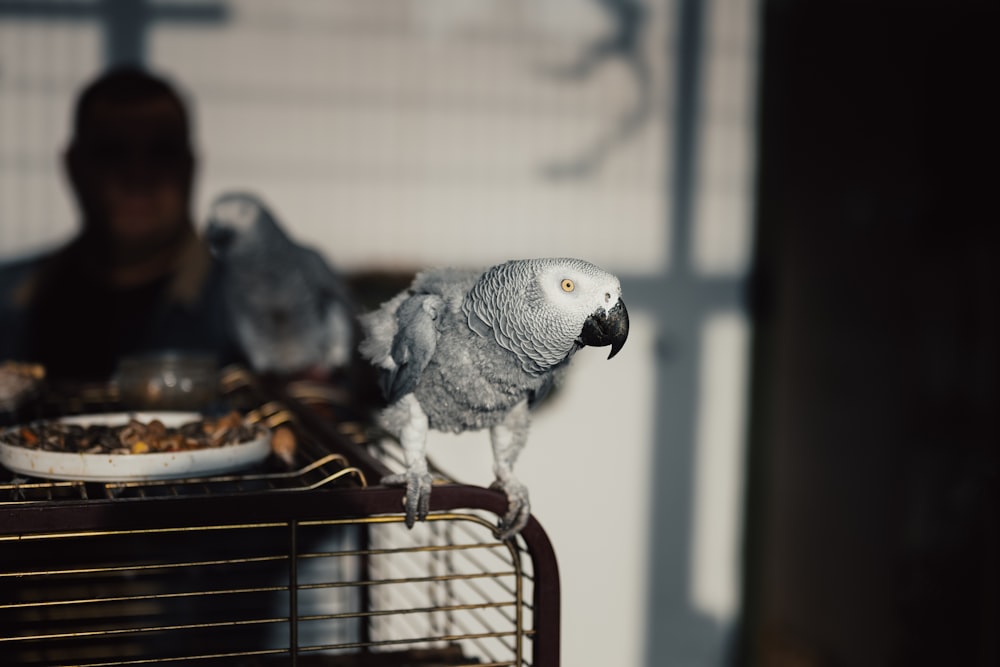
(794, 460)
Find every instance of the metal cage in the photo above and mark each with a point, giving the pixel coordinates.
(305, 567)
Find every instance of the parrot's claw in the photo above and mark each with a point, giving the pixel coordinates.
(518, 508)
(418, 494)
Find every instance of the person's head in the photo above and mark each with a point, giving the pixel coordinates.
(130, 163)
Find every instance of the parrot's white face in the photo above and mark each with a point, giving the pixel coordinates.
(580, 290)
(237, 213)
(241, 225)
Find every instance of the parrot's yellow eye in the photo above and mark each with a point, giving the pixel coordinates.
(567, 285)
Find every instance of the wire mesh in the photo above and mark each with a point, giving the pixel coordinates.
(446, 592)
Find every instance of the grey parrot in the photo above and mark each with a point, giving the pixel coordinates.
(467, 350)
(291, 312)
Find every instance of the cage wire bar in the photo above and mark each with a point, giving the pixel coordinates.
(447, 595)
(305, 567)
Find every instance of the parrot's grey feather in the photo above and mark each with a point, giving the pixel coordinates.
(414, 344)
(537, 396)
(478, 324)
(467, 350)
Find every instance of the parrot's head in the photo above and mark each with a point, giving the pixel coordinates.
(543, 310)
(238, 222)
(590, 298)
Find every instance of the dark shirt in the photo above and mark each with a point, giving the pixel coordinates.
(55, 313)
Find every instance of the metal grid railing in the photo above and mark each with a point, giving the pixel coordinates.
(332, 591)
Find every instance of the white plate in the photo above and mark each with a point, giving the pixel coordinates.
(134, 467)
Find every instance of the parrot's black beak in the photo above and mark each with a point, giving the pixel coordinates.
(219, 239)
(607, 328)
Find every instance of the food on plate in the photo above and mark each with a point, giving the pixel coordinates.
(284, 444)
(135, 436)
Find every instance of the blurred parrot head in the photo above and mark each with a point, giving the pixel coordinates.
(240, 224)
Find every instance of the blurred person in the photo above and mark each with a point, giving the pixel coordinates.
(137, 278)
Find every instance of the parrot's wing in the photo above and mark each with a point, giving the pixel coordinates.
(319, 273)
(413, 346)
(338, 321)
(336, 302)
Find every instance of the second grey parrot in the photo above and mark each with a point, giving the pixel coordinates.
(468, 350)
(292, 313)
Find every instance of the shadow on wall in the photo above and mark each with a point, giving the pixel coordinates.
(125, 24)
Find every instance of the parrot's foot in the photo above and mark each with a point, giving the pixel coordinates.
(518, 507)
(418, 494)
